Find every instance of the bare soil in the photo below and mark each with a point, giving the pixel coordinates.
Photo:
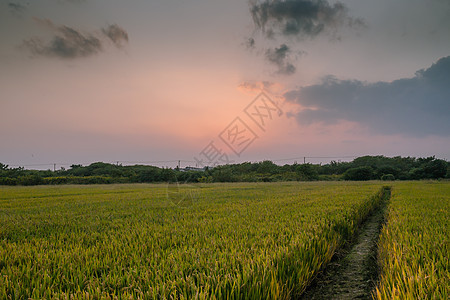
(353, 271)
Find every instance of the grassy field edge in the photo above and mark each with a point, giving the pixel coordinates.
(414, 243)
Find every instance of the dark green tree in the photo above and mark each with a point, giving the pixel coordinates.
(359, 173)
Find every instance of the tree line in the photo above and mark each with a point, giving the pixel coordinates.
(361, 168)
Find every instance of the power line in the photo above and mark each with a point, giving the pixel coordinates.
(177, 162)
(155, 161)
(41, 165)
(313, 157)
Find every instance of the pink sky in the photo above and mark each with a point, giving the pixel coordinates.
(178, 81)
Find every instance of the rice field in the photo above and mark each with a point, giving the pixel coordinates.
(415, 244)
(212, 241)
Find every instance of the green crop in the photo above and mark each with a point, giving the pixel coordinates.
(414, 244)
(219, 241)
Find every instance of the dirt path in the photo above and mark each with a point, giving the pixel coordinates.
(352, 274)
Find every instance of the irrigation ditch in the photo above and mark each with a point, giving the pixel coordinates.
(353, 271)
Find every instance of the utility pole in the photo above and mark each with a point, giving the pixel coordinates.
(179, 164)
(304, 159)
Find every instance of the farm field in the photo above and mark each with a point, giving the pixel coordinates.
(415, 244)
(236, 241)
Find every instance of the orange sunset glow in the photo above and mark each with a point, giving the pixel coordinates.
(85, 81)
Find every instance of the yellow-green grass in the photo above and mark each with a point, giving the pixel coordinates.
(235, 241)
(414, 244)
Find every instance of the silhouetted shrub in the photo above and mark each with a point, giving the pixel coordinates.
(388, 177)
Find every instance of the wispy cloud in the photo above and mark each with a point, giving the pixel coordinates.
(116, 34)
(256, 86)
(16, 8)
(69, 43)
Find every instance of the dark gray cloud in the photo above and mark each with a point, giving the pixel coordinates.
(417, 106)
(16, 8)
(69, 43)
(280, 58)
(283, 19)
(250, 43)
(116, 34)
(301, 18)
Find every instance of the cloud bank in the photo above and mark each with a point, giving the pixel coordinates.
(417, 106)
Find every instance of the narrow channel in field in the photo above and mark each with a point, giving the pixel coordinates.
(352, 273)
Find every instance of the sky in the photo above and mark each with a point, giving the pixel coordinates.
(208, 82)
